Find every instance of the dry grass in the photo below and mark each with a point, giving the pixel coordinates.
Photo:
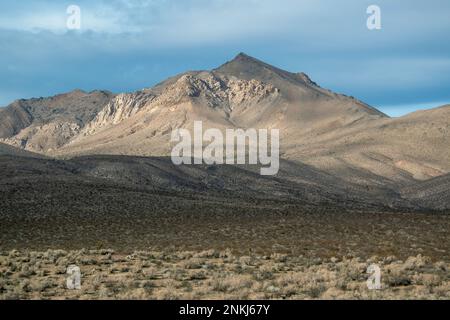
(215, 275)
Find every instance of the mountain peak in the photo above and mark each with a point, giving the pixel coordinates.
(243, 58)
(246, 67)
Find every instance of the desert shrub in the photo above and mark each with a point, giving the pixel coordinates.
(167, 294)
(415, 263)
(440, 265)
(132, 294)
(186, 286)
(219, 285)
(341, 283)
(192, 263)
(278, 257)
(13, 254)
(104, 292)
(96, 281)
(25, 286)
(198, 275)
(26, 271)
(11, 295)
(208, 254)
(289, 290)
(264, 273)
(168, 291)
(245, 260)
(88, 261)
(151, 273)
(226, 254)
(41, 284)
(137, 267)
(443, 291)
(314, 290)
(429, 280)
(182, 255)
(398, 280)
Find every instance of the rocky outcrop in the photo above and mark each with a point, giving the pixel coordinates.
(118, 109)
(203, 88)
(217, 91)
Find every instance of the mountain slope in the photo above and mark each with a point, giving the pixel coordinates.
(178, 103)
(7, 150)
(331, 132)
(246, 67)
(433, 193)
(45, 124)
(106, 184)
(13, 119)
(257, 96)
(413, 147)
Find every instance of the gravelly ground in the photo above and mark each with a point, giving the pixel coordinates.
(216, 275)
(322, 235)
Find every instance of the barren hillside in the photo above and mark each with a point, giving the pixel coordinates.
(330, 132)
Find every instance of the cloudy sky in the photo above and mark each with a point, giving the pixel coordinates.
(124, 45)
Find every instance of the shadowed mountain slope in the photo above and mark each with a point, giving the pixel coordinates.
(105, 184)
(433, 193)
(7, 150)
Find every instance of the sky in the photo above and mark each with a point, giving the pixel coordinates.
(126, 45)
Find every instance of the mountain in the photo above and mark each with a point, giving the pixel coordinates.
(45, 124)
(331, 132)
(243, 93)
(7, 150)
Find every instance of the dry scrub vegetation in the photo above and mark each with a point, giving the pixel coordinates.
(215, 275)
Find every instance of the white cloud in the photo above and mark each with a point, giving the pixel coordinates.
(325, 38)
(321, 24)
(170, 21)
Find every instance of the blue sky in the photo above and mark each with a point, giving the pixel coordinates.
(125, 45)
